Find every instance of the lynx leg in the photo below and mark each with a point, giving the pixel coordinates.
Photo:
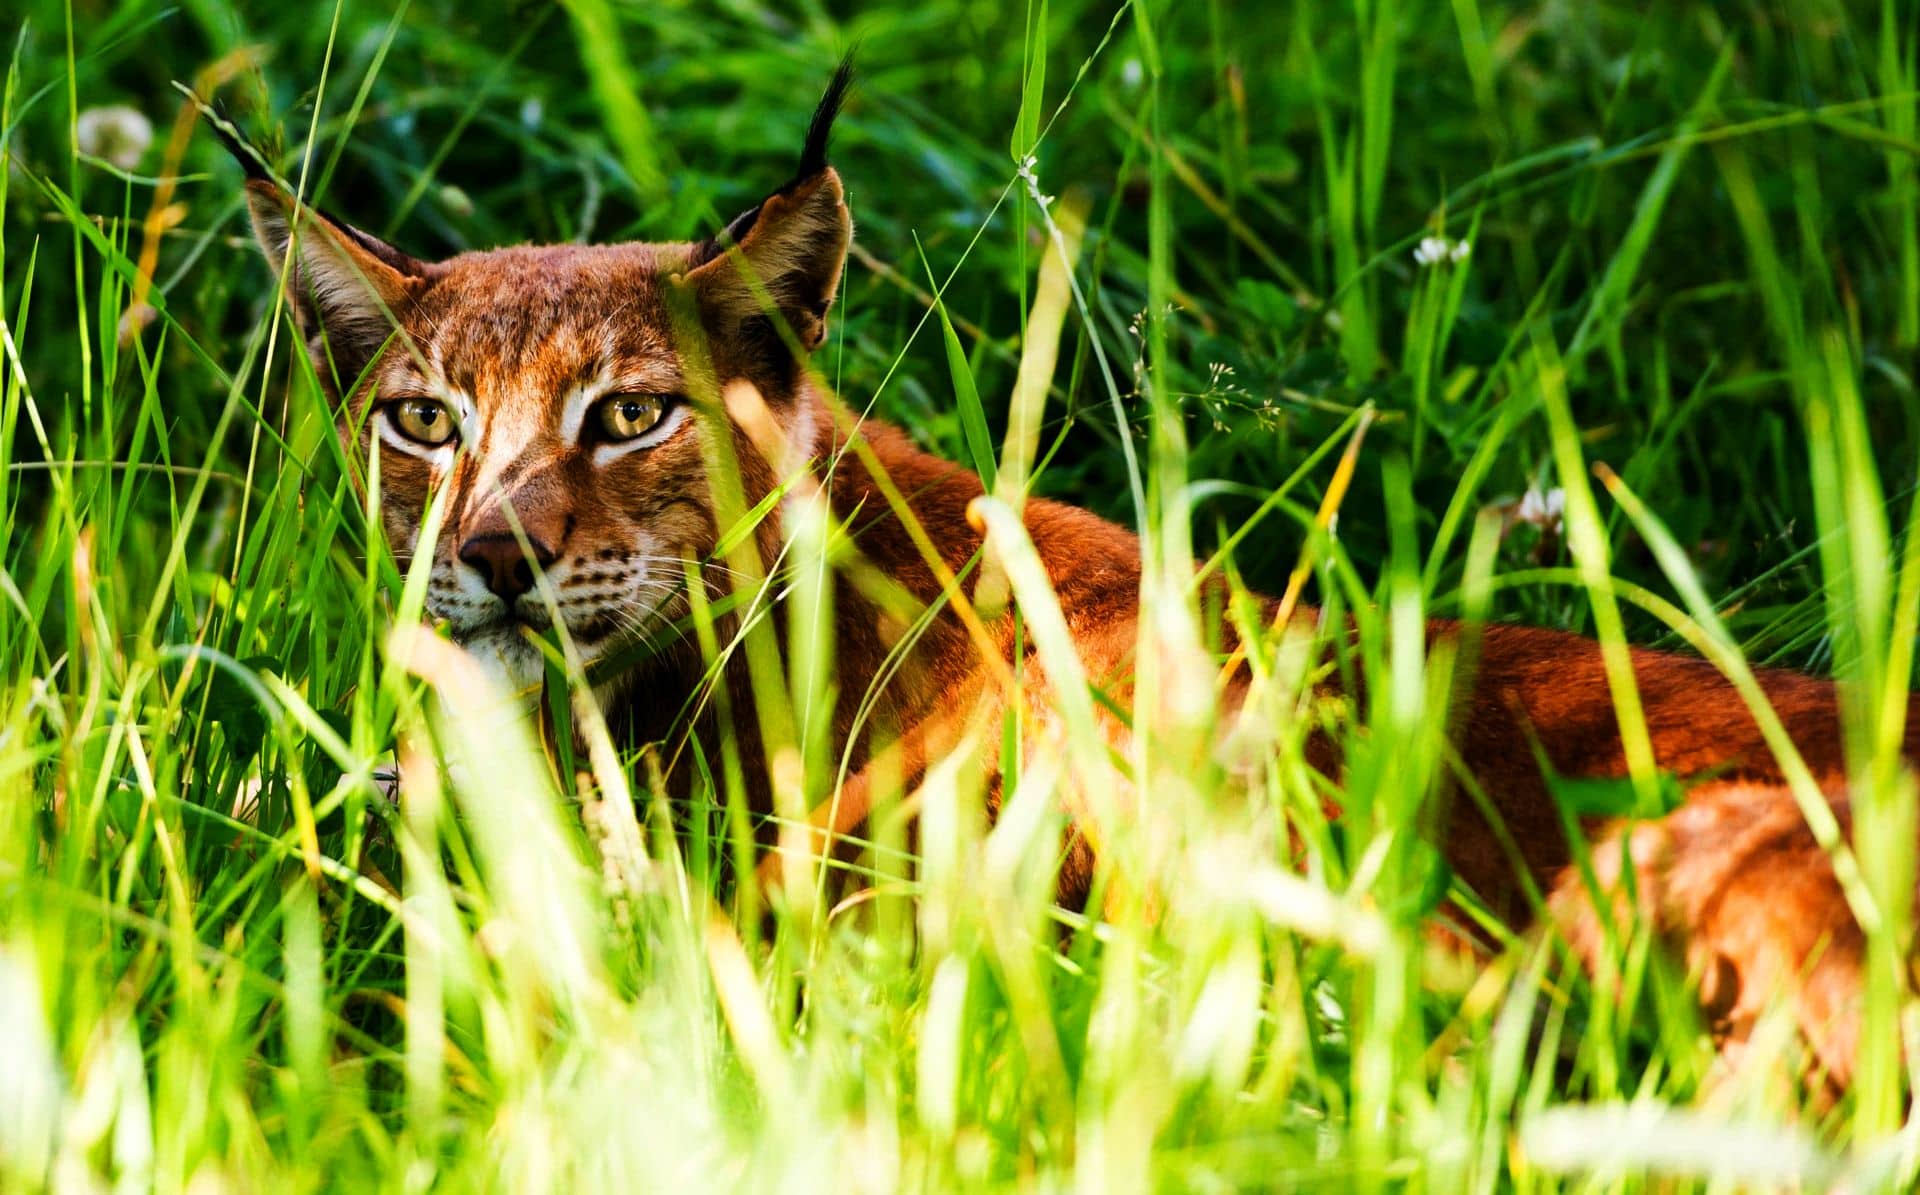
(1735, 880)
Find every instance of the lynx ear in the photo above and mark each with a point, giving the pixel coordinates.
(784, 257)
(345, 285)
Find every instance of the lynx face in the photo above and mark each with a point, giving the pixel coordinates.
(542, 391)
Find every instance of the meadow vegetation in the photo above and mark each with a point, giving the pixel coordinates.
(1594, 315)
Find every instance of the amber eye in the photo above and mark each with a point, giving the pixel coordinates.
(422, 420)
(628, 416)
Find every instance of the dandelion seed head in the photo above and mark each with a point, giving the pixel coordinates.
(116, 133)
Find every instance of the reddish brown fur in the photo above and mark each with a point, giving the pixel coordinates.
(1736, 879)
(1733, 875)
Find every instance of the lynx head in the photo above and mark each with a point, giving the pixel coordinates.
(551, 392)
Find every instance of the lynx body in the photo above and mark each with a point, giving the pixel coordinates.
(565, 402)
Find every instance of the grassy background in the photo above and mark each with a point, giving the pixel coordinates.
(1693, 257)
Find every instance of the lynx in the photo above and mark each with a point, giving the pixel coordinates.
(566, 402)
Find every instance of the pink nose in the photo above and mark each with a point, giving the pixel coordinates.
(503, 565)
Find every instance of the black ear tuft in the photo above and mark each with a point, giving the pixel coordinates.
(251, 160)
(813, 158)
(813, 161)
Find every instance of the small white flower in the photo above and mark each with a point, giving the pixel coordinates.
(1131, 72)
(1542, 510)
(115, 133)
(1433, 250)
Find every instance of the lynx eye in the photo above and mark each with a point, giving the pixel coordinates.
(627, 416)
(422, 420)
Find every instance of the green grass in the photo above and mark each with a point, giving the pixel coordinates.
(1693, 259)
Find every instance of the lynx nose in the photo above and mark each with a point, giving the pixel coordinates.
(502, 565)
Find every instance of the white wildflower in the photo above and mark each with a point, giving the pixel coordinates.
(115, 133)
(1543, 510)
(1433, 250)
